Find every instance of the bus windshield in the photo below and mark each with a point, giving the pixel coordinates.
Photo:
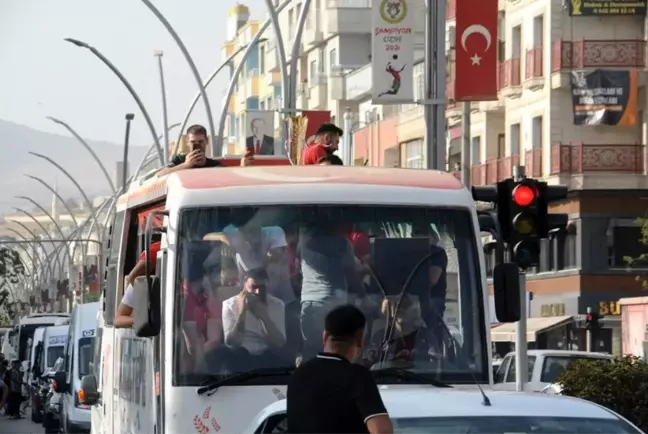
(254, 284)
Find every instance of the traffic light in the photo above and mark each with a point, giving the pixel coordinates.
(592, 321)
(549, 222)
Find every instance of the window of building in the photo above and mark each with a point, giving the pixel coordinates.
(474, 150)
(414, 154)
(313, 73)
(515, 139)
(536, 126)
(262, 55)
(333, 58)
(322, 61)
(501, 145)
(517, 42)
(628, 250)
(538, 31)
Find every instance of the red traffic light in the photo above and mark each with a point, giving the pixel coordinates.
(524, 195)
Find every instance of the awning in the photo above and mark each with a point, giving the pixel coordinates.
(506, 332)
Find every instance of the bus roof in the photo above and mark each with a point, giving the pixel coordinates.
(155, 189)
(285, 175)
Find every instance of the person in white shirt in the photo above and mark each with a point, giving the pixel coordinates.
(254, 325)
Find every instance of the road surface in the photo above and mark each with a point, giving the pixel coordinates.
(23, 426)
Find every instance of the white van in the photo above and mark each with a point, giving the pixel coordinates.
(47, 351)
(75, 417)
(33, 350)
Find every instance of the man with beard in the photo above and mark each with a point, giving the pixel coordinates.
(326, 142)
(254, 325)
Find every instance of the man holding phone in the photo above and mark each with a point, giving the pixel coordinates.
(197, 140)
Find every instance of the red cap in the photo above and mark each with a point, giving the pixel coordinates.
(155, 248)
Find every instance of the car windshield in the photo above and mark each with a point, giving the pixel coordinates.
(291, 265)
(554, 366)
(85, 356)
(53, 353)
(502, 425)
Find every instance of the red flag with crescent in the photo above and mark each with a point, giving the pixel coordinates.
(476, 50)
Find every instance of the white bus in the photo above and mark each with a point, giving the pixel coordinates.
(28, 325)
(176, 370)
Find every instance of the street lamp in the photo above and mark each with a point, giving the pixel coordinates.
(208, 82)
(34, 240)
(235, 75)
(43, 228)
(128, 86)
(71, 178)
(283, 60)
(165, 115)
(190, 62)
(29, 255)
(290, 103)
(129, 118)
(88, 148)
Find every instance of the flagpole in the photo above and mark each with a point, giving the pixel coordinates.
(465, 145)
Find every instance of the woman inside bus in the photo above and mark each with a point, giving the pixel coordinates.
(124, 318)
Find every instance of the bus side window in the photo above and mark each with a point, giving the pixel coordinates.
(113, 282)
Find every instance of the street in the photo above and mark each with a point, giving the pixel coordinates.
(23, 426)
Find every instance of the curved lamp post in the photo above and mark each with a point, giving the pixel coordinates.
(207, 83)
(36, 240)
(283, 61)
(190, 62)
(48, 215)
(291, 105)
(239, 68)
(128, 86)
(88, 148)
(74, 181)
(22, 277)
(46, 232)
(33, 258)
(146, 159)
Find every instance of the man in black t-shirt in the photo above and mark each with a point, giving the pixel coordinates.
(331, 394)
(197, 139)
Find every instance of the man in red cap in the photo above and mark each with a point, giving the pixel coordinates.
(326, 142)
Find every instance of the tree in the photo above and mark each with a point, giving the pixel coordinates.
(642, 259)
(11, 268)
(620, 386)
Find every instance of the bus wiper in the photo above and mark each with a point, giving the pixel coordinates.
(407, 376)
(213, 385)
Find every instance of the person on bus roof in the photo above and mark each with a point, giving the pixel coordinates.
(327, 138)
(197, 139)
(123, 319)
(254, 324)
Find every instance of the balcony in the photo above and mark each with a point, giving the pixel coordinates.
(533, 74)
(313, 35)
(578, 159)
(594, 53)
(271, 56)
(347, 16)
(318, 92)
(358, 83)
(533, 163)
(494, 170)
(272, 78)
(510, 78)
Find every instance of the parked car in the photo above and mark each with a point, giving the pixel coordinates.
(545, 366)
(462, 411)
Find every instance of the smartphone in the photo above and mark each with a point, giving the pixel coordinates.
(195, 147)
(249, 151)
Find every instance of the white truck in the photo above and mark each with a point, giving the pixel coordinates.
(545, 366)
(163, 374)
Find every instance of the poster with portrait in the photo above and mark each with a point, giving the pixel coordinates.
(259, 132)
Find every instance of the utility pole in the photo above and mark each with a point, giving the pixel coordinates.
(521, 363)
(435, 82)
(465, 145)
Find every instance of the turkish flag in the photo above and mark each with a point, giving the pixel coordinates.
(476, 50)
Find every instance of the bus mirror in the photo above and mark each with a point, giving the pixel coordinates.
(146, 307)
(506, 291)
(88, 393)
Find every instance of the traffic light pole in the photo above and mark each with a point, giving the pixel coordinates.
(588, 334)
(521, 363)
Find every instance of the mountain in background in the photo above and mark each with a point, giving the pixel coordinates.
(16, 140)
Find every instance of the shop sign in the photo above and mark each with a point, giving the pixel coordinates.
(609, 308)
(554, 309)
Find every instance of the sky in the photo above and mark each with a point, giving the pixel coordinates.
(42, 75)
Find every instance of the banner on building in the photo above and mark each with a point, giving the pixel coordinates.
(587, 8)
(476, 51)
(259, 132)
(392, 51)
(603, 97)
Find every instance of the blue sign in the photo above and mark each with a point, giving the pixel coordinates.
(57, 340)
(88, 333)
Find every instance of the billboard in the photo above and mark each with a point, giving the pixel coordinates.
(392, 51)
(605, 97)
(259, 132)
(587, 8)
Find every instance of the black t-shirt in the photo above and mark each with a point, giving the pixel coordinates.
(180, 158)
(328, 394)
